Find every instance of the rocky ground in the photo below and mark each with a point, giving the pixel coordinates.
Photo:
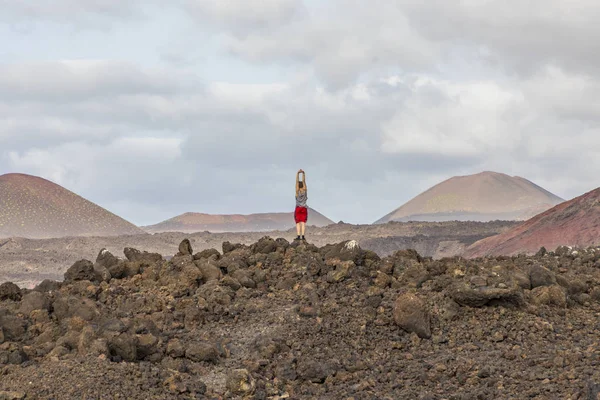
(28, 262)
(280, 320)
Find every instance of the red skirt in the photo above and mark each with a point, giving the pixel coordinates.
(301, 214)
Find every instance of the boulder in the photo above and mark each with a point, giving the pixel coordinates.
(147, 344)
(102, 274)
(595, 294)
(410, 314)
(549, 296)
(12, 354)
(71, 306)
(34, 300)
(48, 286)
(522, 278)
(10, 291)
(202, 351)
(540, 276)
(314, 371)
(382, 280)
(175, 348)
(345, 251)
(86, 339)
(13, 327)
(112, 327)
(209, 271)
(185, 248)
(342, 271)
(213, 293)
(233, 283)
(135, 255)
(229, 247)
(412, 276)
(281, 242)
(465, 295)
(239, 382)
(106, 259)
(209, 253)
(99, 347)
(310, 262)
(82, 270)
(409, 254)
(243, 277)
(123, 346)
(265, 245)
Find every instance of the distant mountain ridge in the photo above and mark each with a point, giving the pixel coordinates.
(35, 208)
(572, 223)
(191, 222)
(486, 196)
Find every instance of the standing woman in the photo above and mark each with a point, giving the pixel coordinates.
(301, 213)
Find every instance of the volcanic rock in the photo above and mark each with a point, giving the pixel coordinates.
(13, 327)
(106, 259)
(124, 347)
(209, 253)
(311, 327)
(480, 296)
(540, 276)
(185, 248)
(82, 270)
(34, 300)
(411, 315)
(345, 251)
(240, 383)
(47, 286)
(549, 295)
(10, 291)
(202, 351)
(135, 255)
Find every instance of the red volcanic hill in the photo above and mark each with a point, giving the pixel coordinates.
(572, 223)
(487, 196)
(198, 222)
(34, 207)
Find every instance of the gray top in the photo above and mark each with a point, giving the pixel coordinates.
(301, 199)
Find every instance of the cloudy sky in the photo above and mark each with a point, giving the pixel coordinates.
(154, 108)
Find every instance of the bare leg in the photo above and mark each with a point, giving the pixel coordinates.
(298, 228)
(302, 228)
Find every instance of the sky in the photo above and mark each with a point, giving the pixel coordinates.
(152, 108)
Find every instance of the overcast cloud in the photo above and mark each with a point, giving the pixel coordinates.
(152, 110)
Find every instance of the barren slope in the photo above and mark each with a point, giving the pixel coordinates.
(29, 261)
(33, 207)
(486, 196)
(572, 223)
(198, 222)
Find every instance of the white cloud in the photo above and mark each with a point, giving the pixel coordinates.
(458, 120)
(377, 101)
(244, 15)
(65, 10)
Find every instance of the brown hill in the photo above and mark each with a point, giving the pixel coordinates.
(572, 223)
(198, 222)
(34, 207)
(486, 196)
